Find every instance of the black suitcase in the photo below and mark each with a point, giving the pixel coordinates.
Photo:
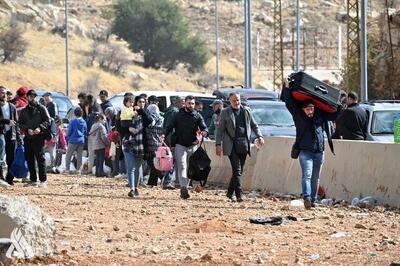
(305, 87)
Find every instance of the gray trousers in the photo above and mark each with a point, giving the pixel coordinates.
(78, 148)
(182, 155)
(90, 156)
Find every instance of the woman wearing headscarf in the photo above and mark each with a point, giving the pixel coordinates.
(153, 141)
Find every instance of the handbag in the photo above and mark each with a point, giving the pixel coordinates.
(241, 145)
(295, 152)
(199, 165)
(19, 167)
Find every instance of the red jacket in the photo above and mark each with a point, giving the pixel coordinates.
(20, 103)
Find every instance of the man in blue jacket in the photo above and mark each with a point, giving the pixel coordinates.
(310, 125)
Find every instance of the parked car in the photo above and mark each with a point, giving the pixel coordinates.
(273, 118)
(246, 94)
(63, 102)
(166, 97)
(381, 117)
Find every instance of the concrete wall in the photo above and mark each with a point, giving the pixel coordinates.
(359, 169)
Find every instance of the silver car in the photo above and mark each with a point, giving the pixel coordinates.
(272, 117)
(381, 117)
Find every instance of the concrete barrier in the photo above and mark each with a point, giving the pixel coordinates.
(359, 169)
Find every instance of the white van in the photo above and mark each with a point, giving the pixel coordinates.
(167, 97)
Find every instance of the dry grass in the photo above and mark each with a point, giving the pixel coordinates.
(43, 66)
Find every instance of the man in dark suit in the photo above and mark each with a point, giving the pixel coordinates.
(235, 127)
(9, 133)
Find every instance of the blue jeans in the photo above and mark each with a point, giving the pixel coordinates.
(311, 164)
(133, 163)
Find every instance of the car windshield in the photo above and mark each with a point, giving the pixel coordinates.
(382, 122)
(274, 115)
(117, 101)
(62, 104)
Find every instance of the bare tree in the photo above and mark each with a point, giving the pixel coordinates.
(91, 84)
(113, 58)
(12, 44)
(93, 53)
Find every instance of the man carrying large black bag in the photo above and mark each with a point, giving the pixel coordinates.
(186, 124)
(309, 145)
(236, 125)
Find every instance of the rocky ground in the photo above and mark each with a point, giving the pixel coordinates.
(97, 224)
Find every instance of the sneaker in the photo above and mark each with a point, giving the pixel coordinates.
(43, 184)
(4, 183)
(184, 193)
(307, 204)
(118, 176)
(25, 180)
(131, 194)
(32, 184)
(168, 187)
(136, 193)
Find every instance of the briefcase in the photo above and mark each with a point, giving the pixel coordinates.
(305, 87)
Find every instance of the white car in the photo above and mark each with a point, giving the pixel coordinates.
(381, 117)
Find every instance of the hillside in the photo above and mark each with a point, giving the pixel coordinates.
(44, 63)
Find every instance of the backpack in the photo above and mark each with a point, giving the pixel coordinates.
(199, 166)
(163, 161)
(19, 167)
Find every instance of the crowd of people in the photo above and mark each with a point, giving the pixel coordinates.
(126, 140)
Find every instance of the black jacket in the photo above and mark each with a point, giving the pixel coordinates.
(34, 116)
(105, 105)
(309, 131)
(186, 125)
(352, 123)
(14, 131)
(52, 109)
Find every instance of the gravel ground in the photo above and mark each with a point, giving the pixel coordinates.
(97, 224)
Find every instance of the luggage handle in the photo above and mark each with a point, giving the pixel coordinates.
(321, 88)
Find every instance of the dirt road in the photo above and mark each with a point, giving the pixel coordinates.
(99, 225)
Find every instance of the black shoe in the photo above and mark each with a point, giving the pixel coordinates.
(136, 193)
(11, 183)
(184, 193)
(239, 199)
(229, 195)
(131, 194)
(313, 205)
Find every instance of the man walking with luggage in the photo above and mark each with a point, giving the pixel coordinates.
(352, 123)
(310, 124)
(235, 126)
(186, 123)
(35, 122)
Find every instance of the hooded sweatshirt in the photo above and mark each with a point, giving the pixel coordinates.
(98, 136)
(77, 131)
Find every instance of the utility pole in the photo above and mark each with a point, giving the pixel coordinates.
(278, 46)
(247, 30)
(364, 52)
(216, 43)
(66, 49)
(353, 46)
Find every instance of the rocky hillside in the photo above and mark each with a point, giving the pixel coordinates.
(44, 63)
